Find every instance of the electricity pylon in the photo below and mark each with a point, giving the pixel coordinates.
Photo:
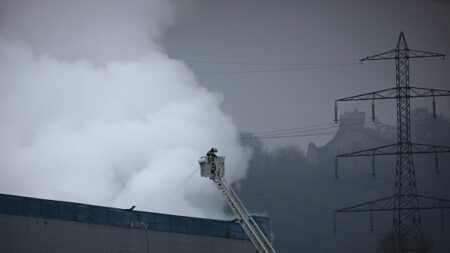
(406, 203)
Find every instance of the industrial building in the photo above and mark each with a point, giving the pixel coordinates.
(39, 225)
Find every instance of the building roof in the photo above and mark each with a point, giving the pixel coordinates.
(69, 211)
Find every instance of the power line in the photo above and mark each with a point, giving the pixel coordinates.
(292, 135)
(269, 63)
(305, 131)
(294, 66)
(311, 131)
(299, 131)
(263, 63)
(299, 67)
(289, 129)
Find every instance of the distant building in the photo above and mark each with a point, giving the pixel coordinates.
(312, 154)
(352, 121)
(38, 225)
(352, 135)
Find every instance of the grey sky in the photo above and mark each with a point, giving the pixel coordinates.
(307, 32)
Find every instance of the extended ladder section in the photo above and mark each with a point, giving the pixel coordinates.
(213, 167)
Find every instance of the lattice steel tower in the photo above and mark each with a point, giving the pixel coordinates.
(406, 203)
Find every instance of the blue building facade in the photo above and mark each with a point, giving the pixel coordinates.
(23, 217)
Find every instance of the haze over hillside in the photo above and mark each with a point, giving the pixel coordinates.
(298, 190)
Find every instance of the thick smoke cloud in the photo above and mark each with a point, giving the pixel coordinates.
(92, 110)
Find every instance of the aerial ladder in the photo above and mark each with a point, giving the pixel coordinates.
(213, 166)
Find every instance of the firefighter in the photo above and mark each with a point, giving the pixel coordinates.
(211, 159)
(212, 153)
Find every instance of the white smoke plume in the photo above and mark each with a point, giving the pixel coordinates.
(92, 110)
